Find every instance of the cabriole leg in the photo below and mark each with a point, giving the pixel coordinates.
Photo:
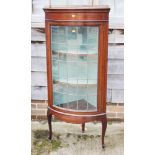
(104, 126)
(83, 127)
(49, 118)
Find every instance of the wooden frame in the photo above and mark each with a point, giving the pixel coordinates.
(88, 16)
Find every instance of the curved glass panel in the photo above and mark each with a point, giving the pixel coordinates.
(74, 67)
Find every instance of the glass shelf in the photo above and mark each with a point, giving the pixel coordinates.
(74, 48)
(74, 88)
(74, 67)
(75, 81)
(74, 57)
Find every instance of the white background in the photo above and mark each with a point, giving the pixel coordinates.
(15, 78)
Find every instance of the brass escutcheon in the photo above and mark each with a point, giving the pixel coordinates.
(73, 16)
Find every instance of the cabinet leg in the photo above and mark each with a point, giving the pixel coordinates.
(49, 118)
(104, 126)
(83, 127)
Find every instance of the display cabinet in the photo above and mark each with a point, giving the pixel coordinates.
(76, 50)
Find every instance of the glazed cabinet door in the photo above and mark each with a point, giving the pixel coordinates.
(74, 61)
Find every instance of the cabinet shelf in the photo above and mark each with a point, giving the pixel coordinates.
(73, 53)
(75, 48)
(71, 94)
(74, 44)
(77, 82)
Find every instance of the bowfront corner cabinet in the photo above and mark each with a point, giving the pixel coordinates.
(77, 50)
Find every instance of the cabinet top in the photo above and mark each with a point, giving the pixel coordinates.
(77, 8)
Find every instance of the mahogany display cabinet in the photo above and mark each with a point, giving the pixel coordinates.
(77, 50)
